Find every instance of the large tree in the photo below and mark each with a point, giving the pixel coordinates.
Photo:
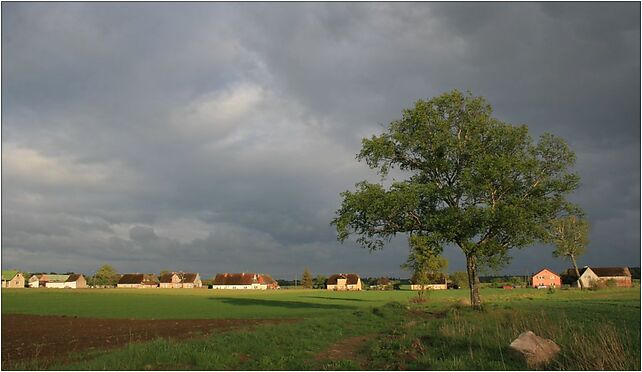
(569, 234)
(473, 181)
(306, 279)
(105, 275)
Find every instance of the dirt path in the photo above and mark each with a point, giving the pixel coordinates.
(53, 337)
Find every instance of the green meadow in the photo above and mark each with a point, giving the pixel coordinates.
(595, 329)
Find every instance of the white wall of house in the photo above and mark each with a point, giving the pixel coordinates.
(417, 287)
(587, 277)
(249, 286)
(129, 285)
(55, 285)
(34, 282)
(342, 286)
(18, 281)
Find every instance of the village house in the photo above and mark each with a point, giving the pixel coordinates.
(344, 282)
(12, 279)
(56, 281)
(439, 281)
(76, 281)
(34, 281)
(138, 281)
(244, 281)
(381, 284)
(415, 286)
(619, 276)
(546, 278)
(180, 280)
(191, 280)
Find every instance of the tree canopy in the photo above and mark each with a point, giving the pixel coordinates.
(306, 279)
(569, 234)
(105, 275)
(472, 181)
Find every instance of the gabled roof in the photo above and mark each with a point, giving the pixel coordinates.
(266, 279)
(56, 278)
(350, 279)
(73, 278)
(9, 274)
(189, 277)
(545, 268)
(235, 279)
(382, 281)
(183, 277)
(611, 271)
(131, 279)
(599, 271)
(167, 278)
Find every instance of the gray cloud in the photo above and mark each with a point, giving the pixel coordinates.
(218, 137)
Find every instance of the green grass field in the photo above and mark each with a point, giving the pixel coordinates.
(595, 329)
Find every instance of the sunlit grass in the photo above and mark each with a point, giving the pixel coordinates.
(596, 330)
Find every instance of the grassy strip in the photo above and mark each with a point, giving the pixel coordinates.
(596, 331)
(470, 340)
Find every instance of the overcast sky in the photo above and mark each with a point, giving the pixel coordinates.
(217, 137)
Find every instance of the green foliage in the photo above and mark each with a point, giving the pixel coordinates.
(424, 261)
(306, 279)
(459, 278)
(569, 234)
(106, 275)
(319, 282)
(474, 181)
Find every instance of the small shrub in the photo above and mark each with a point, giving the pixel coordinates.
(550, 290)
(597, 285)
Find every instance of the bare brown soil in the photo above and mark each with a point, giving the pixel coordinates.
(53, 337)
(345, 349)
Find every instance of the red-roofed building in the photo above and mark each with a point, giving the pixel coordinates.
(244, 281)
(546, 278)
(138, 281)
(344, 282)
(180, 280)
(620, 276)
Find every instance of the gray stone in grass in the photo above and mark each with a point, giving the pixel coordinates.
(535, 350)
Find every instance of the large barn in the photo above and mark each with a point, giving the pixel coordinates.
(244, 281)
(138, 281)
(76, 281)
(344, 282)
(56, 280)
(180, 280)
(619, 276)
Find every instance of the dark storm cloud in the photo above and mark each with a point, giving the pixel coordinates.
(218, 137)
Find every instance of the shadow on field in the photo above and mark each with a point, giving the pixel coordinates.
(464, 354)
(276, 303)
(338, 299)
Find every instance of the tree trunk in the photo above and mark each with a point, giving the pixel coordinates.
(577, 272)
(473, 280)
